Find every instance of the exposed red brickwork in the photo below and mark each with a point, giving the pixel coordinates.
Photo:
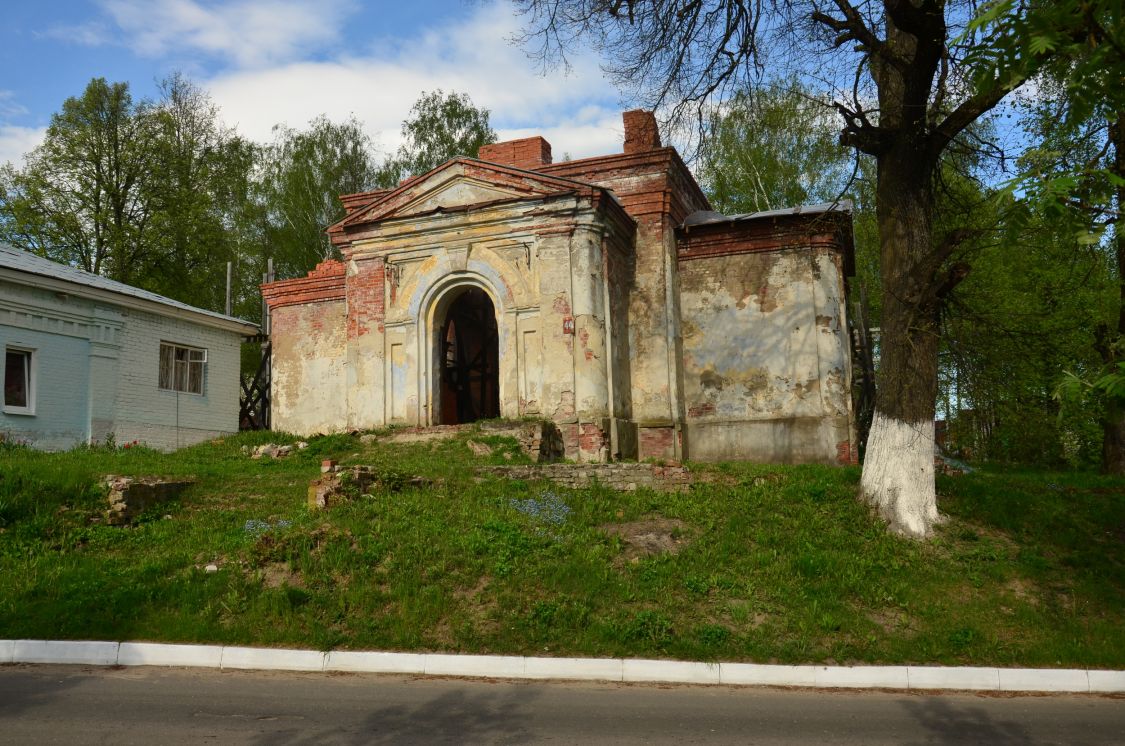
(847, 453)
(326, 282)
(591, 438)
(569, 438)
(701, 410)
(353, 202)
(530, 152)
(656, 442)
(654, 182)
(641, 132)
(366, 297)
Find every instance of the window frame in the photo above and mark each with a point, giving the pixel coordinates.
(32, 382)
(181, 383)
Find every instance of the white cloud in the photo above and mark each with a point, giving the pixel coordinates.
(8, 105)
(577, 113)
(89, 34)
(246, 33)
(16, 142)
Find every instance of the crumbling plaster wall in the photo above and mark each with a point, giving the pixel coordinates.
(766, 362)
(309, 348)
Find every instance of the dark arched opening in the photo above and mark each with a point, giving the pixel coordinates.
(470, 360)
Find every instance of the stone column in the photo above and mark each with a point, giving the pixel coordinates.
(591, 372)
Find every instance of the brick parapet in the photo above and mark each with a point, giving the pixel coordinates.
(325, 283)
(529, 153)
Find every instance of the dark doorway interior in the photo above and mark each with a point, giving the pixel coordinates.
(470, 360)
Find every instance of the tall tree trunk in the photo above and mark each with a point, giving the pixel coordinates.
(898, 471)
(1113, 424)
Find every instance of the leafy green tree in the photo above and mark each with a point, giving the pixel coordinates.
(1026, 312)
(916, 81)
(1076, 176)
(79, 198)
(199, 197)
(302, 175)
(440, 126)
(775, 147)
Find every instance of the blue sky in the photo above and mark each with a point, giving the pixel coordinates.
(286, 61)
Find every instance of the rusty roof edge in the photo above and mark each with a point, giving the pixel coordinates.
(707, 217)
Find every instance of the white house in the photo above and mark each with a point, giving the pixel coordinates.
(86, 358)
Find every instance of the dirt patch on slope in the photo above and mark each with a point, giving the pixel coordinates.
(650, 537)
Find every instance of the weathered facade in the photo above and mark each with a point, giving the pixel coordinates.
(600, 293)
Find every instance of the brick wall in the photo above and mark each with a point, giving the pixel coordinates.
(641, 132)
(365, 296)
(656, 442)
(529, 153)
(324, 283)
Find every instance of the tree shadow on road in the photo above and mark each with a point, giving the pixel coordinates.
(498, 715)
(949, 722)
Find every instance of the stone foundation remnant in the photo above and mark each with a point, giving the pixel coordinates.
(344, 483)
(541, 440)
(131, 496)
(618, 476)
(273, 450)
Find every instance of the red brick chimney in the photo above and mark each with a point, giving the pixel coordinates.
(641, 133)
(529, 153)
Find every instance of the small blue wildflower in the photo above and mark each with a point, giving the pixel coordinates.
(256, 527)
(548, 508)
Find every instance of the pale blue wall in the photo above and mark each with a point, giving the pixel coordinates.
(62, 386)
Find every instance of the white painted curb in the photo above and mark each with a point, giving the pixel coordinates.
(272, 659)
(677, 672)
(863, 677)
(65, 651)
(1040, 680)
(97, 653)
(360, 662)
(757, 674)
(940, 677)
(158, 654)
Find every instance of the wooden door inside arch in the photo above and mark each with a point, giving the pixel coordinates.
(470, 360)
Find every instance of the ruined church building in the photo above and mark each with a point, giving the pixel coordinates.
(602, 294)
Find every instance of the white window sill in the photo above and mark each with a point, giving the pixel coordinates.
(185, 393)
(23, 411)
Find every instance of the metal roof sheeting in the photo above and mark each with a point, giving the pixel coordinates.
(25, 261)
(707, 217)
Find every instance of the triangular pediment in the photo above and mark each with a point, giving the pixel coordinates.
(460, 184)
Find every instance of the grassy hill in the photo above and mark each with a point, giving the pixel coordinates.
(762, 563)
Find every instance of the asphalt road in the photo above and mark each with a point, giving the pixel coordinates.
(166, 707)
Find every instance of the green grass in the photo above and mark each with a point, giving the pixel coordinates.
(780, 563)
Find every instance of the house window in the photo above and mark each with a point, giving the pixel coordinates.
(181, 368)
(19, 381)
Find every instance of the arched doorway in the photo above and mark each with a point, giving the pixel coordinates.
(469, 359)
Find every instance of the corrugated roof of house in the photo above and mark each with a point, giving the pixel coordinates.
(25, 261)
